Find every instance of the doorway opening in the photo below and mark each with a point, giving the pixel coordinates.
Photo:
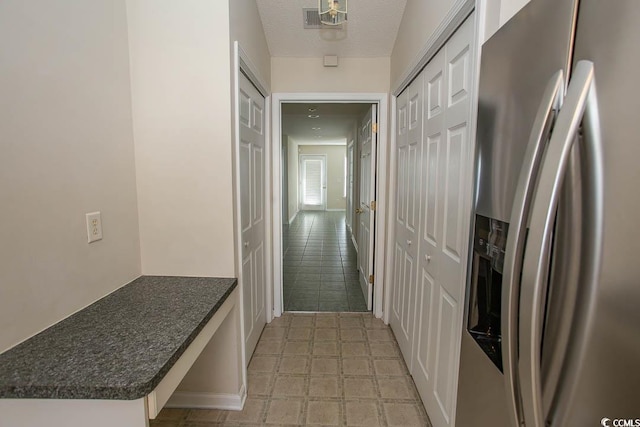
(312, 185)
(326, 180)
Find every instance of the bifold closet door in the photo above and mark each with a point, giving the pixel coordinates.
(252, 204)
(408, 156)
(444, 225)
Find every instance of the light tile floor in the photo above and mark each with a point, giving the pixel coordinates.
(320, 369)
(320, 271)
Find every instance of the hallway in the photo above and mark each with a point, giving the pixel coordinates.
(320, 264)
(320, 369)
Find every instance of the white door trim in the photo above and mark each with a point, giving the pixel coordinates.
(382, 99)
(391, 211)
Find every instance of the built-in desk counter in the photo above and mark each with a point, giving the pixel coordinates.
(125, 354)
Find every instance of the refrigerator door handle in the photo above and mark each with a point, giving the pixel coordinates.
(551, 99)
(581, 101)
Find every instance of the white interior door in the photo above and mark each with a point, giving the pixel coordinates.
(284, 161)
(366, 229)
(408, 149)
(350, 183)
(313, 182)
(444, 230)
(252, 203)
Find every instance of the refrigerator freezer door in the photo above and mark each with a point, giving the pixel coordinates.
(517, 237)
(516, 65)
(481, 390)
(581, 101)
(608, 388)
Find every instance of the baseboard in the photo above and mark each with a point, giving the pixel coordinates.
(293, 217)
(355, 244)
(229, 402)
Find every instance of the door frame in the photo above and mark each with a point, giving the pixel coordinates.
(323, 183)
(382, 99)
(243, 64)
(348, 218)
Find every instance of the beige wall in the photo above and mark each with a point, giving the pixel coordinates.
(419, 22)
(246, 28)
(491, 18)
(335, 172)
(181, 96)
(66, 148)
(508, 8)
(309, 75)
(292, 152)
(498, 12)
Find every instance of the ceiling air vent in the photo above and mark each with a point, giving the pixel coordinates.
(311, 21)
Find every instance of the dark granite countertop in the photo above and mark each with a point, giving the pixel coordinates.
(120, 347)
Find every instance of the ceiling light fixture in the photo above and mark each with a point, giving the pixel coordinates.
(312, 109)
(331, 12)
(313, 116)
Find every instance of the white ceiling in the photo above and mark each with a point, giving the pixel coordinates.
(335, 121)
(370, 31)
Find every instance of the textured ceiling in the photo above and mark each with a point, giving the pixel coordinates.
(370, 31)
(335, 121)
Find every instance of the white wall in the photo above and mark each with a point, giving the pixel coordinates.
(246, 28)
(309, 75)
(66, 149)
(335, 172)
(419, 22)
(181, 95)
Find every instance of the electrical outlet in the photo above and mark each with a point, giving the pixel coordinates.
(94, 226)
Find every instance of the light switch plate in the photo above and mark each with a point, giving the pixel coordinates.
(94, 226)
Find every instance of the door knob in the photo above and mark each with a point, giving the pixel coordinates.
(358, 210)
(409, 242)
(428, 257)
(246, 244)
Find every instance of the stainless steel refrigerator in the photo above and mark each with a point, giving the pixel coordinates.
(552, 319)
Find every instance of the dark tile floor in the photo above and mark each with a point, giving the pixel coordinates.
(320, 264)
